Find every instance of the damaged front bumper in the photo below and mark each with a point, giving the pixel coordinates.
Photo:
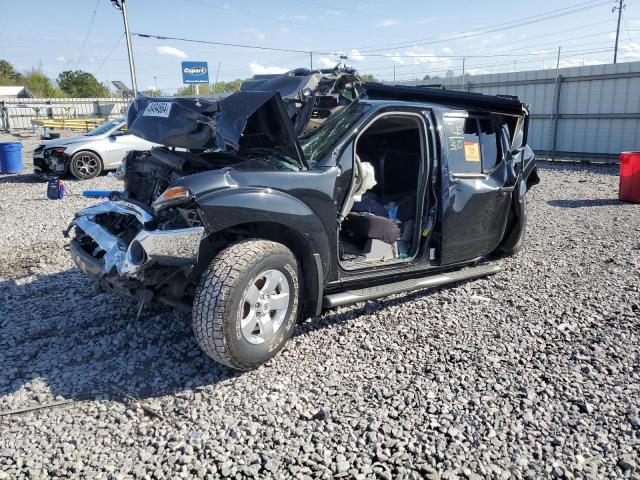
(100, 252)
(46, 162)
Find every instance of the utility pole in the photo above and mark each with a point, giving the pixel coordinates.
(394, 74)
(311, 60)
(155, 82)
(215, 84)
(463, 61)
(553, 119)
(615, 50)
(122, 6)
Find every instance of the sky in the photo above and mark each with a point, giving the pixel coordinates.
(411, 38)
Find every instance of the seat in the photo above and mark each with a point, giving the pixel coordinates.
(372, 226)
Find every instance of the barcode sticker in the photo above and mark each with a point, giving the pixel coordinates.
(157, 109)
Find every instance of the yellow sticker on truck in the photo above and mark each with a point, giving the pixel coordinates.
(472, 151)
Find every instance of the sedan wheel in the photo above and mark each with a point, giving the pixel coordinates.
(85, 165)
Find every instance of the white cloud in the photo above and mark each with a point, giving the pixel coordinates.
(258, 69)
(579, 62)
(62, 59)
(447, 50)
(352, 54)
(254, 32)
(356, 55)
(174, 52)
(395, 58)
(389, 22)
(328, 62)
(92, 60)
(477, 71)
(630, 50)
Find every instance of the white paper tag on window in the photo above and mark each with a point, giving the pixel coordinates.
(157, 109)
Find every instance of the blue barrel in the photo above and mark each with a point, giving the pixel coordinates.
(10, 157)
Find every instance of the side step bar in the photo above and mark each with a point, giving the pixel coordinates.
(354, 296)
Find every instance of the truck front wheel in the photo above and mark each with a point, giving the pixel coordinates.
(246, 304)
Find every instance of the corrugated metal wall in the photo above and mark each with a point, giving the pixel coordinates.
(17, 113)
(598, 109)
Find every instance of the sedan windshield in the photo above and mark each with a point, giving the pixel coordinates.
(105, 127)
(319, 142)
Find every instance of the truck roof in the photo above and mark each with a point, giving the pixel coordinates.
(501, 103)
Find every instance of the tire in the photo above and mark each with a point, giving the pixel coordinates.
(514, 242)
(229, 327)
(85, 165)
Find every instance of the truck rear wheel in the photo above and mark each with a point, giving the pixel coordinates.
(246, 304)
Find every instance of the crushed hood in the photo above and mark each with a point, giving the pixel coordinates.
(248, 119)
(269, 112)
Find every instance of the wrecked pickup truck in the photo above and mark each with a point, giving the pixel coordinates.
(306, 191)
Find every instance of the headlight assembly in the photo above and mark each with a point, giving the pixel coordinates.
(171, 196)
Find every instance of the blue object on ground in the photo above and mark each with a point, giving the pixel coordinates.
(55, 189)
(10, 157)
(101, 193)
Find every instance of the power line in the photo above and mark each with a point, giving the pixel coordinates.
(86, 37)
(110, 52)
(536, 45)
(492, 29)
(320, 52)
(487, 29)
(430, 71)
(225, 44)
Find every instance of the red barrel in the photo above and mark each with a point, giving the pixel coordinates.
(629, 177)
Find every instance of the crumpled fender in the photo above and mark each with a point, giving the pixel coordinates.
(232, 207)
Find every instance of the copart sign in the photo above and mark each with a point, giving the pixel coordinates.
(195, 72)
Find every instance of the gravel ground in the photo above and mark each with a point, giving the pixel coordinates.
(532, 373)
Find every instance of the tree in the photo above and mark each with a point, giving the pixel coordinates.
(81, 84)
(190, 90)
(367, 77)
(232, 86)
(449, 74)
(208, 90)
(152, 92)
(8, 74)
(39, 84)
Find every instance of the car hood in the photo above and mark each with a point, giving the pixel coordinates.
(63, 142)
(246, 119)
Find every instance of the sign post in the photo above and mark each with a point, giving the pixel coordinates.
(195, 73)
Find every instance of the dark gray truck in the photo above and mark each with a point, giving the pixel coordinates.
(302, 192)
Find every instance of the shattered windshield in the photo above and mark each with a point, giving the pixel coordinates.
(274, 157)
(317, 143)
(105, 127)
